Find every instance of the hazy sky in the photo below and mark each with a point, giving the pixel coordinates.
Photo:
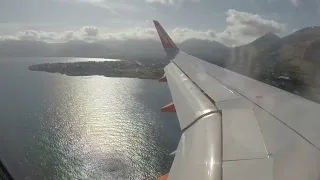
(230, 22)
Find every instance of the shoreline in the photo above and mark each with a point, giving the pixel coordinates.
(124, 69)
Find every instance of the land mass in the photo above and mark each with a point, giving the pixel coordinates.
(129, 69)
(290, 63)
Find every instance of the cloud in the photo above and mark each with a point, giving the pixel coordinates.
(67, 36)
(36, 35)
(161, 1)
(182, 34)
(248, 24)
(92, 1)
(295, 2)
(130, 34)
(113, 6)
(243, 27)
(170, 1)
(4, 38)
(86, 33)
(91, 31)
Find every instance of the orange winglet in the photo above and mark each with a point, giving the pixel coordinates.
(164, 177)
(163, 79)
(168, 108)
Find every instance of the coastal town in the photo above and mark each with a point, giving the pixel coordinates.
(128, 69)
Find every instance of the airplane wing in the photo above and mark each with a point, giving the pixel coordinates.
(234, 127)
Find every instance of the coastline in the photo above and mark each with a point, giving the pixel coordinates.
(124, 69)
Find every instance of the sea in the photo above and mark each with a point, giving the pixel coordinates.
(58, 127)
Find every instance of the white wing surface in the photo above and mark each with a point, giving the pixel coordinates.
(238, 128)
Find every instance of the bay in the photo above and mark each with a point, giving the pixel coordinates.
(59, 127)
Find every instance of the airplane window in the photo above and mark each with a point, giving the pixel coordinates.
(109, 89)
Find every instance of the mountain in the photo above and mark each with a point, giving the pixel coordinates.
(265, 41)
(299, 51)
(78, 49)
(14, 48)
(130, 49)
(296, 55)
(206, 45)
(268, 57)
(125, 49)
(211, 51)
(242, 58)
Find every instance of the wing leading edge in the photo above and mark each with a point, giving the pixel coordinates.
(235, 127)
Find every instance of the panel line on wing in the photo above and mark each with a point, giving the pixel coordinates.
(242, 159)
(211, 86)
(189, 100)
(259, 107)
(275, 118)
(203, 92)
(199, 118)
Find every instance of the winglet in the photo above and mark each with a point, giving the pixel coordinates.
(168, 45)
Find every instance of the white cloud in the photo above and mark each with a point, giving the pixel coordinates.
(90, 33)
(242, 27)
(3, 38)
(86, 33)
(36, 35)
(132, 33)
(181, 34)
(251, 24)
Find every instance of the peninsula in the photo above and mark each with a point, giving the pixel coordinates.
(129, 69)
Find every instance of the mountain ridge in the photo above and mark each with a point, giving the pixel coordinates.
(298, 50)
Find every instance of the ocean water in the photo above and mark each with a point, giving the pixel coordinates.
(58, 127)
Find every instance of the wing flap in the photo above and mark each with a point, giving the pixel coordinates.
(242, 138)
(299, 114)
(199, 153)
(294, 157)
(261, 169)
